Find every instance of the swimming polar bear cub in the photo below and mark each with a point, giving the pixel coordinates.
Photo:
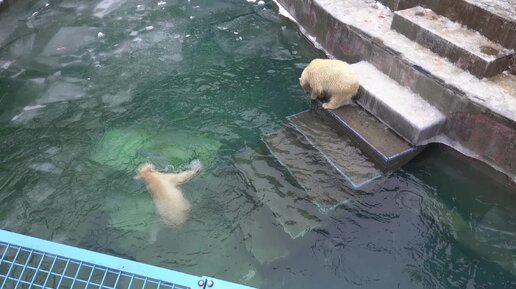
(169, 201)
(330, 77)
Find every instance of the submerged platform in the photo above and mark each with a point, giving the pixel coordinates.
(375, 139)
(337, 148)
(27, 262)
(280, 192)
(324, 184)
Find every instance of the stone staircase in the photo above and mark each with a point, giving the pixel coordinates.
(325, 155)
(431, 70)
(408, 97)
(424, 78)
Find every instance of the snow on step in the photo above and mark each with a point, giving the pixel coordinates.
(467, 48)
(405, 112)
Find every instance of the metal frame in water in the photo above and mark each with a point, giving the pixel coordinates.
(27, 262)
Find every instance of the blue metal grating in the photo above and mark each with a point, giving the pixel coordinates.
(27, 262)
(26, 268)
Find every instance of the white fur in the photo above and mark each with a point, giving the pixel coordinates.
(330, 77)
(169, 201)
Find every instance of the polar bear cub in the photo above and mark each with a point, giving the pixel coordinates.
(330, 78)
(169, 201)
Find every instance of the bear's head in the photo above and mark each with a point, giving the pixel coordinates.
(144, 171)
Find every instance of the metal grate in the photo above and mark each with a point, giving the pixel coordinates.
(23, 268)
(56, 266)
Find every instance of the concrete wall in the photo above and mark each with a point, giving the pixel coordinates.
(492, 141)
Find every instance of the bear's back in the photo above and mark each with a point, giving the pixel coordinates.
(331, 72)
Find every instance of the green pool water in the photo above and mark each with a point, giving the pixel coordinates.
(89, 90)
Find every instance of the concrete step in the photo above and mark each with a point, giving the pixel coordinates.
(375, 139)
(338, 149)
(324, 184)
(277, 190)
(409, 115)
(495, 19)
(465, 47)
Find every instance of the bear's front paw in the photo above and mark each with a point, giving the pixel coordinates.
(328, 106)
(196, 165)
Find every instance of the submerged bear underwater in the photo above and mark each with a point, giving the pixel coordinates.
(182, 80)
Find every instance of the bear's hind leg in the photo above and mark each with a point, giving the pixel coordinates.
(337, 100)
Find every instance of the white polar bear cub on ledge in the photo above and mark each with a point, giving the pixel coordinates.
(169, 201)
(330, 78)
